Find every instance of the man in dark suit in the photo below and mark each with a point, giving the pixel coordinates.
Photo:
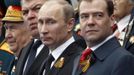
(129, 39)
(105, 56)
(124, 18)
(35, 50)
(55, 23)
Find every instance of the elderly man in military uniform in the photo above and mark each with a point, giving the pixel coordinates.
(17, 33)
(6, 55)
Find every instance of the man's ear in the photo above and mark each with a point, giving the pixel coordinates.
(112, 17)
(112, 20)
(70, 24)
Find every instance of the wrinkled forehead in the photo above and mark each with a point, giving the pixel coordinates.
(30, 4)
(16, 24)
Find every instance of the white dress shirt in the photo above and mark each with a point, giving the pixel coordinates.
(122, 28)
(122, 24)
(39, 48)
(37, 53)
(59, 50)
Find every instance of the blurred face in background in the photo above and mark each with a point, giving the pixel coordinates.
(121, 8)
(30, 10)
(17, 35)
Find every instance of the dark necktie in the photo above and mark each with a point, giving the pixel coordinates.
(48, 64)
(32, 55)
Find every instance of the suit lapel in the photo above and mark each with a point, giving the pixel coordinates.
(101, 53)
(105, 50)
(42, 67)
(76, 64)
(23, 57)
(41, 57)
(70, 52)
(127, 42)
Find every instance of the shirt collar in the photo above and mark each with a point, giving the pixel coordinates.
(97, 46)
(35, 40)
(122, 24)
(59, 50)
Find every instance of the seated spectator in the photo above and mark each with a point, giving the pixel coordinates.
(17, 33)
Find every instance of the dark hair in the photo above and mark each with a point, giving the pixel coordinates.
(110, 6)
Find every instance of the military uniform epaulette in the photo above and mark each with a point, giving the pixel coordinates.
(6, 57)
(4, 46)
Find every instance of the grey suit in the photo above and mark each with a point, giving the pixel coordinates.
(111, 59)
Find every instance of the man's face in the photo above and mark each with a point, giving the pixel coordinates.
(121, 8)
(15, 35)
(94, 20)
(30, 10)
(52, 27)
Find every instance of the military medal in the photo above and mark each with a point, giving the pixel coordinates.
(131, 40)
(13, 70)
(59, 63)
(85, 64)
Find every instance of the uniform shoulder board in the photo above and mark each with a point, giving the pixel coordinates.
(5, 47)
